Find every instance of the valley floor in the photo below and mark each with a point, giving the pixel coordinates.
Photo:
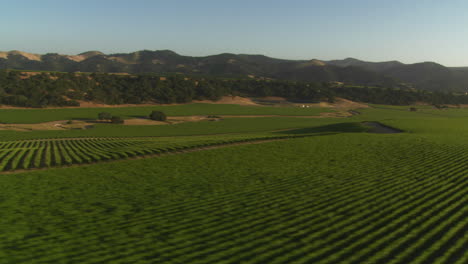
(327, 192)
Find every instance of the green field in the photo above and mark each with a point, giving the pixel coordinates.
(226, 126)
(335, 194)
(46, 153)
(31, 116)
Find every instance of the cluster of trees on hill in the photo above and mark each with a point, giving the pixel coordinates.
(38, 91)
(398, 96)
(66, 89)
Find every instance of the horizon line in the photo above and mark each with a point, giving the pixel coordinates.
(237, 54)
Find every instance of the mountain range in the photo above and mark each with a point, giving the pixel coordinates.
(426, 75)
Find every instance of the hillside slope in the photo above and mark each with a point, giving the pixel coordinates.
(427, 75)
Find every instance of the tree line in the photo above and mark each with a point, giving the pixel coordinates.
(66, 89)
(108, 117)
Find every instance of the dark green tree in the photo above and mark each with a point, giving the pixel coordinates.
(105, 116)
(158, 116)
(117, 120)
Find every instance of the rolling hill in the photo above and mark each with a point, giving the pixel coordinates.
(427, 75)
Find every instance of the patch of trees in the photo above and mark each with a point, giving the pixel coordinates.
(158, 116)
(104, 116)
(38, 91)
(398, 96)
(117, 120)
(108, 117)
(66, 89)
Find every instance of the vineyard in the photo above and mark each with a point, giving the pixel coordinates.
(283, 205)
(30, 154)
(323, 194)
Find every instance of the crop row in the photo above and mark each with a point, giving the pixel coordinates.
(414, 211)
(16, 155)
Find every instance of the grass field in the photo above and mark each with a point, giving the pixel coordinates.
(226, 126)
(340, 195)
(31, 116)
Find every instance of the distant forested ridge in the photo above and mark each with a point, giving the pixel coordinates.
(392, 74)
(67, 89)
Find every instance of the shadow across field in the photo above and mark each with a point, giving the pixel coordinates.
(379, 128)
(350, 127)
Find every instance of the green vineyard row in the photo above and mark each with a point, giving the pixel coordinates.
(414, 211)
(34, 154)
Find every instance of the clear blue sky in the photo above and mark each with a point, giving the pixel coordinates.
(376, 30)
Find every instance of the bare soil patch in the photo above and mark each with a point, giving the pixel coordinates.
(272, 98)
(54, 125)
(87, 124)
(230, 100)
(458, 106)
(170, 120)
(237, 100)
(143, 122)
(340, 104)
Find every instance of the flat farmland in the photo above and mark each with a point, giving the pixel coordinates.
(326, 191)
(28, 116)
